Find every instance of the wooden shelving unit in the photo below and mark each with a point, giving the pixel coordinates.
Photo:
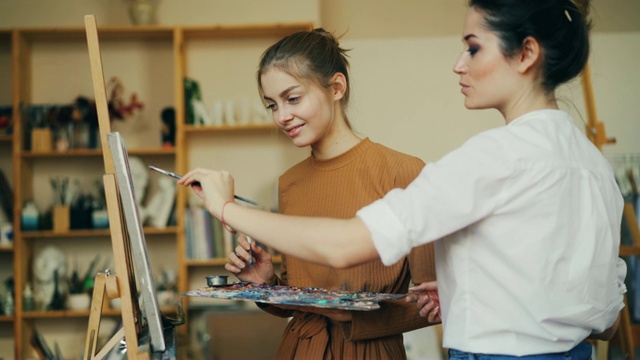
(33, 53)
(628, 334)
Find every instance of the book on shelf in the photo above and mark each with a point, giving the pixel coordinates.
(205, 237)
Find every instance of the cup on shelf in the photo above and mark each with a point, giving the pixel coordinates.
(6, 234)
(29, 217)
(100, 219)
(61, 218)
(80, 301)
(41, 140)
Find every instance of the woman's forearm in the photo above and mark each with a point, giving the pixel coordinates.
(334, 242)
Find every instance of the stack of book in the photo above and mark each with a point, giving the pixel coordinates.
(205, 237)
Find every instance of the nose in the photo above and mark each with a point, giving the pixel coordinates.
(282, 116)
(459, 67)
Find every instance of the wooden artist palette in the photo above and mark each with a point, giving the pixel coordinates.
(296, 296)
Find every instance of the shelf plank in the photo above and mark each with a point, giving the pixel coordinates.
(6, 318)
(152, 151)
(79, 313)
(55, 314)
(243, 31)
(228, 128)
(170, 230)
(62, 154)
(62, 33)
(4, 248)
(164, 32)
(94, 152)
(5, 138)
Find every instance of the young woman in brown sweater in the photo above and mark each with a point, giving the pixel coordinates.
(304, 82)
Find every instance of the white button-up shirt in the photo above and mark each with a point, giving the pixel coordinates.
(528, 216)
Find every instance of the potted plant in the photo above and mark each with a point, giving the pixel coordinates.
(80, 288)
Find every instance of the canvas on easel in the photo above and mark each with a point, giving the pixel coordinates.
(136, 238)
(144, 335)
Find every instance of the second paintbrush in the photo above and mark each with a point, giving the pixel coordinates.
(176, 176)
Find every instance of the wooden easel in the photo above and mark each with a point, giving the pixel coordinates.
(122, 284)
(597, 134)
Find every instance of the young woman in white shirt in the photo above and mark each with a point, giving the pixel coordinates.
(526, 216)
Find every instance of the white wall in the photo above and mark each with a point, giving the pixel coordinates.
(406, 96)
(170, 12)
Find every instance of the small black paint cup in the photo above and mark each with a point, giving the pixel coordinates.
(216, 280)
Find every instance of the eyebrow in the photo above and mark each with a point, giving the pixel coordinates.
(467, 37)
(283, 93)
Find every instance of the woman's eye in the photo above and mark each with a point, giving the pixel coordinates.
(271, 107)
(294, 99)
(472, 50)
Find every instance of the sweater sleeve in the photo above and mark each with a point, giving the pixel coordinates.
(398, 316)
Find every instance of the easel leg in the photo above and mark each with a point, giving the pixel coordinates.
(91, 343)
(124, 267)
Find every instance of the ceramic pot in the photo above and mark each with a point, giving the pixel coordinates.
(78, 301)
(167, 298)
(143, 12)
(115, 303)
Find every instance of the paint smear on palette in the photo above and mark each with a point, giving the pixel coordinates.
(296, 296)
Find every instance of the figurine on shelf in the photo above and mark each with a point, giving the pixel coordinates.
(28, 301)
(49, 266)
(192, 97)
(85, 116)
(168, 116)
(57, 299)
(162, 203)
(6, 113)
(9, 303)
(118, 110)
(140, 179)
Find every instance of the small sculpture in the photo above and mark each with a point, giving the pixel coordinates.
(168, 116)
(162, 202)
(50, 265)
(118, 109)
(140, 179)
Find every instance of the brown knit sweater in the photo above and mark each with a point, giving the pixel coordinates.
(338, 188)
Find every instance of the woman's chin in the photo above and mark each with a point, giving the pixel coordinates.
(300, 142)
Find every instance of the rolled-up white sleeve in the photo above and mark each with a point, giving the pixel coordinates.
(622, 273)
(389, 236)
(445, 197)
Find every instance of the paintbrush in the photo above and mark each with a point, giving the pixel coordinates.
(251, 261)
(174, 175)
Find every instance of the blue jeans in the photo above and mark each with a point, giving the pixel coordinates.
(581, 352)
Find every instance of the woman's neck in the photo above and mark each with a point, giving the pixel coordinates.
(338, 141)
(527, 102)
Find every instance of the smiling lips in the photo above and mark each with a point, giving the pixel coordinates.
(463, 88)
(294, 130)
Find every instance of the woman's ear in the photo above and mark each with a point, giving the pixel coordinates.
(530, 55)
(338, 86)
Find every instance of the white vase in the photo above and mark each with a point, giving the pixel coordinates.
(167, 298)
(78, 301)
(115, 303)
(143, 12)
